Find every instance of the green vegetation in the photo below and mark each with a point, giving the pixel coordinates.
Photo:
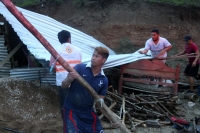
(178, 2)
(171, 2)
(25, 3)
(126, 46)
(80, 2)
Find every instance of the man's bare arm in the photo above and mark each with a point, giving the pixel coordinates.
(67, 81)
(197, 57)
(164, 50)
(168, 48)
(181, 53)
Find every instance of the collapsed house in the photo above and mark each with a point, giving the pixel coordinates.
(24, 57)
(17, 39)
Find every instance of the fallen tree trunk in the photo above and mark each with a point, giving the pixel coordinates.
(104, 109)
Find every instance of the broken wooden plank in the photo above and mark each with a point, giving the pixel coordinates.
(10, 54)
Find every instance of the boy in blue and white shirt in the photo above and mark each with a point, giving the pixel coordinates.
(78, 114)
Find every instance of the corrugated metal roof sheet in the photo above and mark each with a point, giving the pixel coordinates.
(49, 28)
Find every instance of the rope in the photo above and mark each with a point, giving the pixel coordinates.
(52, 66)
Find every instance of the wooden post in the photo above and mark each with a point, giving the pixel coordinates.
(104, 109)
(121, 79)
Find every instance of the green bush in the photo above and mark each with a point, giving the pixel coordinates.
(179, 2)
(125, 46)
(80, 2)
(25, 3)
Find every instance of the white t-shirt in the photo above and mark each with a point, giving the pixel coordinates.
(71, 54)
(157, 48)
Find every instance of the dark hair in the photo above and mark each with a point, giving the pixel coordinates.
(102, 51)
(156, 31)
(63, 36)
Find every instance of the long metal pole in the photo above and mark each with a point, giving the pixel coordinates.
(104, 109)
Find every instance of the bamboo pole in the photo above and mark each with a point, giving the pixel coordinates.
(104, 109)
(175, 57)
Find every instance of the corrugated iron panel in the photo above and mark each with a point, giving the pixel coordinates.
(4, 72)
(5, 69)
(32, 74)
(49, 28)
(41, 74)
(49, 78)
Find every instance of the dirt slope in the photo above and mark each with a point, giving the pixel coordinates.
(26, 106)
(125, 26)
(135, 20)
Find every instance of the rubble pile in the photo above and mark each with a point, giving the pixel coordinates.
(147, 110)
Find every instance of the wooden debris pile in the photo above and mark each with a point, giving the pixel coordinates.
(148, 110)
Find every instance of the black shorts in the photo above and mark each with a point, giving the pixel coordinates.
(192, 71)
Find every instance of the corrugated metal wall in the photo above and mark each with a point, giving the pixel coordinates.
(5, 69)
(25, 72)
(41, 74)
(47, 77)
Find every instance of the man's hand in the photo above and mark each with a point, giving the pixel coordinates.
(194, 64)
(161, 53)
(70, 77)
(143, 51)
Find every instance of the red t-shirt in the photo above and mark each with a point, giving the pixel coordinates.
(192, 48)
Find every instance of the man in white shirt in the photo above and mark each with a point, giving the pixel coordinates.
(157, 45)
(70, 54)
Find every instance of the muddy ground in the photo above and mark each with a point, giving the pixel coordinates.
(31, 107)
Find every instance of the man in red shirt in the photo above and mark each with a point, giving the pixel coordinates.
(192, 68)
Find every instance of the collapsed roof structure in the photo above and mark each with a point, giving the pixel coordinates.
(49, 28)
